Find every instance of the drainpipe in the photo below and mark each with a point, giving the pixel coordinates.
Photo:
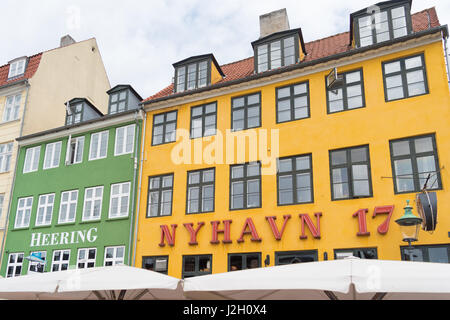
(14, 175)
(446, 59)
(135, 166)
(140, 186)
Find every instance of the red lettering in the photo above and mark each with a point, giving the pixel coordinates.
(225, 231)
(314, 230)
(276, 233)
(362, 222)
(165, 234)
(252, 230)
(389, 210)
(192, 232)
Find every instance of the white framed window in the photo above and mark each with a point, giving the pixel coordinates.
(37, 266)
(99, 145)
(32, 159)
(12, 107)
(14, 267)
(52, 155)
(119, 200)
(92, 208)
(17, 68)
(124, 140)
(75, 151)
(68, 206)
(61, 260)
(86, 258)
(114, 256)
(45, 209)
(2, 198)
(23, 213)
(5, 156)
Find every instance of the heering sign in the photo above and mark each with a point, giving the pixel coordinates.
(60, 238)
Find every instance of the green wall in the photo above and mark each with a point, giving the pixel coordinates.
(102, 172)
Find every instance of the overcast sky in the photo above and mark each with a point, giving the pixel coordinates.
(140, 40)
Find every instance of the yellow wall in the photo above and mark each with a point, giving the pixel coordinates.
(376, 124)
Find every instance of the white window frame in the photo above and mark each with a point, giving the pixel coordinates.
(97, 155)
(5, 156)
(86, 260)
(14, 264)
(32, 157)
(120, 196)
(14, 69)
(94, 198)
(77, 141)
(47, 215)
(60, 262)
(26, 212)
(121, 148)
(31, 263)
(12, 107)
(53, 155)
(114, 260)
(68, 204)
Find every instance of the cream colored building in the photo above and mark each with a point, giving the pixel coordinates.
(33, 93)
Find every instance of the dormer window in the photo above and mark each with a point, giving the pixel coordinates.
(278, 50)
(118, 102)
(382, 23)
(196, 72)
(74, 113)
(122, 98)
(80, 110)
(17, 68)
(195, 77)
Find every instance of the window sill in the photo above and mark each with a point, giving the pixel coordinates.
(117, 219)
(63, 224)
(42, 227)
(405, 98)
(90, 221)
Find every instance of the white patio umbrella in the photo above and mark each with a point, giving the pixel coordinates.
(307, 281)
(111, 283)
(337, 279)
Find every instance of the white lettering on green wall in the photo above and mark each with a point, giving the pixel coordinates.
(60, 238)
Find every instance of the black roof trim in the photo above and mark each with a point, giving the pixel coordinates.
(301, 65)
(120, 87)
(198, 58)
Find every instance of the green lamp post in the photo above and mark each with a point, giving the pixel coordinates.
(409, 225)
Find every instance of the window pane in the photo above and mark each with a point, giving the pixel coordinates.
(285, 165)
(423, 145)
(413, 62)
(339, 157)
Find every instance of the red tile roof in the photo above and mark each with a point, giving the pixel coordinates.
(33, 64)
(317, 49)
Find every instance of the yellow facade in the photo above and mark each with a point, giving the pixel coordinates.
(374, 125)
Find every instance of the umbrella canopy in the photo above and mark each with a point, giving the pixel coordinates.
(116, 283)
(338, 279)
(306, 281)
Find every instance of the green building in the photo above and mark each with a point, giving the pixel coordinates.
(73, 199)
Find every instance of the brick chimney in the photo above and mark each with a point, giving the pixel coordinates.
(273, 22)
(66, 41)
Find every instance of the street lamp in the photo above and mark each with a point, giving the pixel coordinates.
(409, 226)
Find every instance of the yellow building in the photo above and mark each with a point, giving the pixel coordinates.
(33, 94)
(275, 159)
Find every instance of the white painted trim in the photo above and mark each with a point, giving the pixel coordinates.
(80, 129)
(326, 66)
